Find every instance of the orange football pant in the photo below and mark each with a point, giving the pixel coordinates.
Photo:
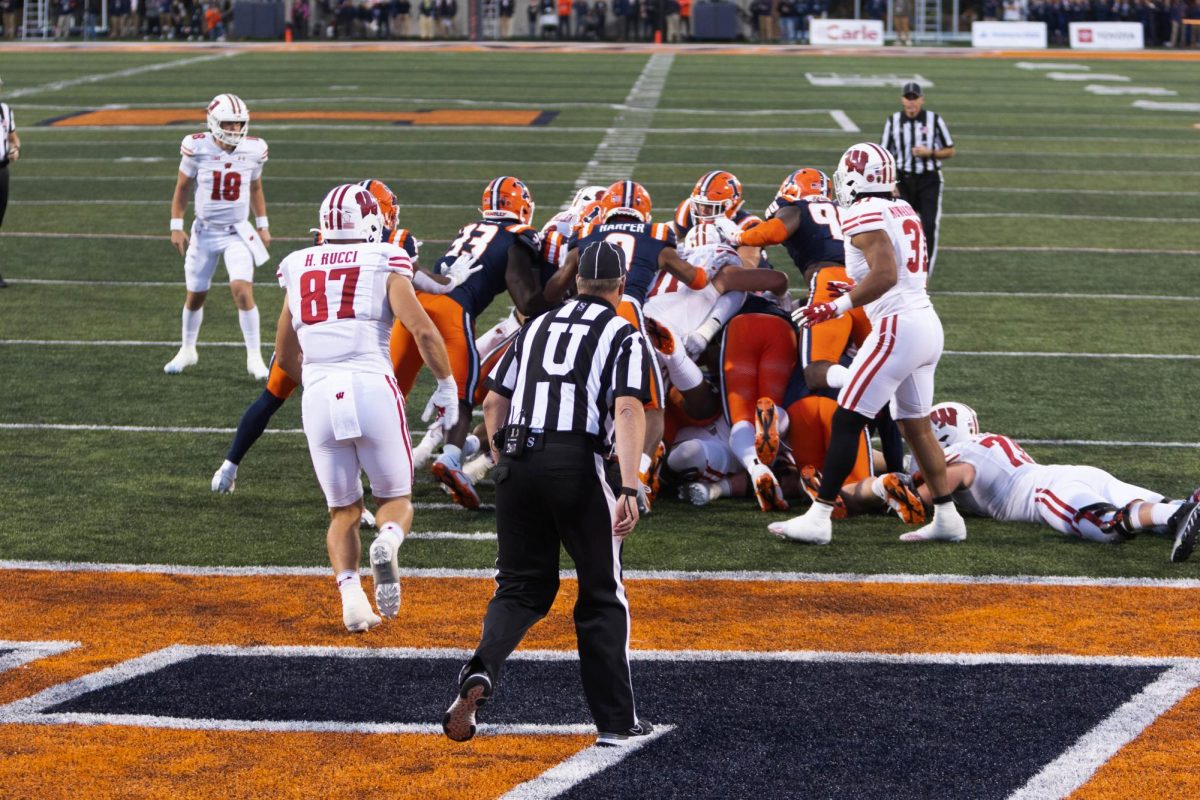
(828, 341)
(758, 355)
(457, 330)
(811, 425)
(279, 383)
(632, 313)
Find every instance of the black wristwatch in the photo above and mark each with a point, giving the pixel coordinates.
(627, 492)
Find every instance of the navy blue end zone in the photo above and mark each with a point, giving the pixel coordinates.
(754, 728)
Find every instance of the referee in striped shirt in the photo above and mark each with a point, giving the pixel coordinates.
(920, 141)
(550, 417)
(10, 150)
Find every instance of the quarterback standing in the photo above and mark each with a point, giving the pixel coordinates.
(225, 168)
(342, 299)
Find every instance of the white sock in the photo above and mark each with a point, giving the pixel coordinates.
(393, 532)
(349, 581)
(877, 488)
(837, 376)
(229, 466)
(249, 322)
(722, 488)
(819, 511)
(1160, 514)
(191, 325)
(741, 442)
(644, 463)
(454, 454)
(946, 512)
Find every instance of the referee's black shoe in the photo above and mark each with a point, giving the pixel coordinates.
(3, 283)
(459, 722)
(1186, 524)
(625, 738)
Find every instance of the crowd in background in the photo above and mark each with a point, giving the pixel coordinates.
(620, 20)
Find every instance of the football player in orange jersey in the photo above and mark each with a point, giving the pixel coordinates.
(504, 251)
(718, 194)
(280, 385)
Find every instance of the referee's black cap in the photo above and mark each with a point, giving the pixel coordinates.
(601, 261)
(912, 90)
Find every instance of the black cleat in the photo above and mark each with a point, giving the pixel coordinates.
(3, 283)
(459, 722)
(625, 738)
(1185, 523)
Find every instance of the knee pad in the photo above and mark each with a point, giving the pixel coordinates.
(687, 458)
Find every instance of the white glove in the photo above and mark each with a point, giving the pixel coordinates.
(697, 341)
(729, 230)
(460, 269)
(443, 404)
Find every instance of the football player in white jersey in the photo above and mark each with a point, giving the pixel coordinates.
(225, 167)
(342, 298)
(887, 260)
(992, 476)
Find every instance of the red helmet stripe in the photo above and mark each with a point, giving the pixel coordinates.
(338, 205)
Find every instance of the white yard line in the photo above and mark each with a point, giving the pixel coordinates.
(1188, 584)
(124, 73)
(1156, 298)
(1075, 766)
(1097, 250)
(617, 154)
(26, 652)
(476, 536)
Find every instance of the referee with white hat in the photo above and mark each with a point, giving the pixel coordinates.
(10, 150)
(920, 141)
(572, 378)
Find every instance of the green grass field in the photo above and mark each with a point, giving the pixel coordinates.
(1055, 192)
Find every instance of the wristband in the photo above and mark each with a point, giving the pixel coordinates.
(261, 222)
(843, 304)
(700, 281)
(177, 223)
(627, 492)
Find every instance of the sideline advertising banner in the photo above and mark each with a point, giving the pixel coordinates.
(1107, 36)
(1023, 35)
(850, 32)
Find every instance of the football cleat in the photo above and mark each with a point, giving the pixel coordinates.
(356, 611)
(902, 498)
(644, 499)
(186, 357)
(808, 528)
(225, 478)
(424, 450)
(478, 467)
(810, 482)
(624, 738)
(652, 478)
(766, 431)
(766, 489)
(256, 366)
(367, 520)
(1186, 523)
(461, 487)
(947, 526)
(386, 571)
(459, 722)
(697, 493)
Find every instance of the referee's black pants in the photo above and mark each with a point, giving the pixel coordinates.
(924, 193)
(558, 495)
(3, 190)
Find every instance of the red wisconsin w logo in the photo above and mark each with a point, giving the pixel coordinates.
(944, 416)
(340, 395)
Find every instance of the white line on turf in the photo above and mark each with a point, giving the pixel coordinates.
(1189, 584)
(1075, 766)
(1157, 298)
(1090, 250)
(124, 73)
(617, 153)
(24, 652)
(477, 536)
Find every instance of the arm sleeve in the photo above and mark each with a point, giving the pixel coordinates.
(503, 378)
(773, 231)
(631, 372)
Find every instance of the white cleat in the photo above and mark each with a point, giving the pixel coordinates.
(386, 569)
(356, 611)
(367, 520)
(697, 493)
(224, 480)
(478, 467)
(806, 528)
(257, 367)
(946, 527)
(424, 451)
(186, 357)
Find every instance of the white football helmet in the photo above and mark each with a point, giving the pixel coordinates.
(703, 247)
(587, 194)
(228, 108)
(953, 423)
(350, 212)
(865, 168)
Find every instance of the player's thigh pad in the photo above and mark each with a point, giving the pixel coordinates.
(335, 462)
(200, 261)
(384, 449)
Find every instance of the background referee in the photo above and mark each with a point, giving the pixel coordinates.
(549, 415)
(10, 150)
(920, 141)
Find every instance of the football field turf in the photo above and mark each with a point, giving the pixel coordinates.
(1066, 282)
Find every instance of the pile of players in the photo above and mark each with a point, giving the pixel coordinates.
(750, 396)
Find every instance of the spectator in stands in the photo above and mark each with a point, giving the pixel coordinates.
(902, 21)
(649, 9)
(787, 21)
(1015, 10)
(399, 19)
(991, 10)
(685, 19)
(631, 20)
(547, 18)
(564, 19)
(301, 18)
(65, 10)
(507, 9)
(447, 12)
(599, 19)
(118, 18)
(580, 7)
(9, 11)
(671, 15)
(760, 10)
(426, 11)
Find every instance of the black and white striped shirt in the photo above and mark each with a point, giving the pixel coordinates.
(566, 368)
(901, 135)
(7, 126)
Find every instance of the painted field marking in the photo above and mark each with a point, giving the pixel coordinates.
(1157, 298)
(1044, 65)
(26, 652)
(1156, 91)
(477, 536)
(124, 73)
(899, 578)
(1088, 76)
(864, 81)
(1075, 766)
(1154, 105)
(1098, 250)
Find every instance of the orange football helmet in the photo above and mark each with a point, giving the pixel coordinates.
(626, 199)
(806, 182)
(591, 212)
(389, 209)
(507, 197)
(716, 193)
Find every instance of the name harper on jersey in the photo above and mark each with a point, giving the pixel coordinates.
(633, 227)
(330, 259)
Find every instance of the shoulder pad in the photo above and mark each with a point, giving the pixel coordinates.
(403, 238)
(526, 235)
(663, 232)
(683, 214)
(190, 143)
